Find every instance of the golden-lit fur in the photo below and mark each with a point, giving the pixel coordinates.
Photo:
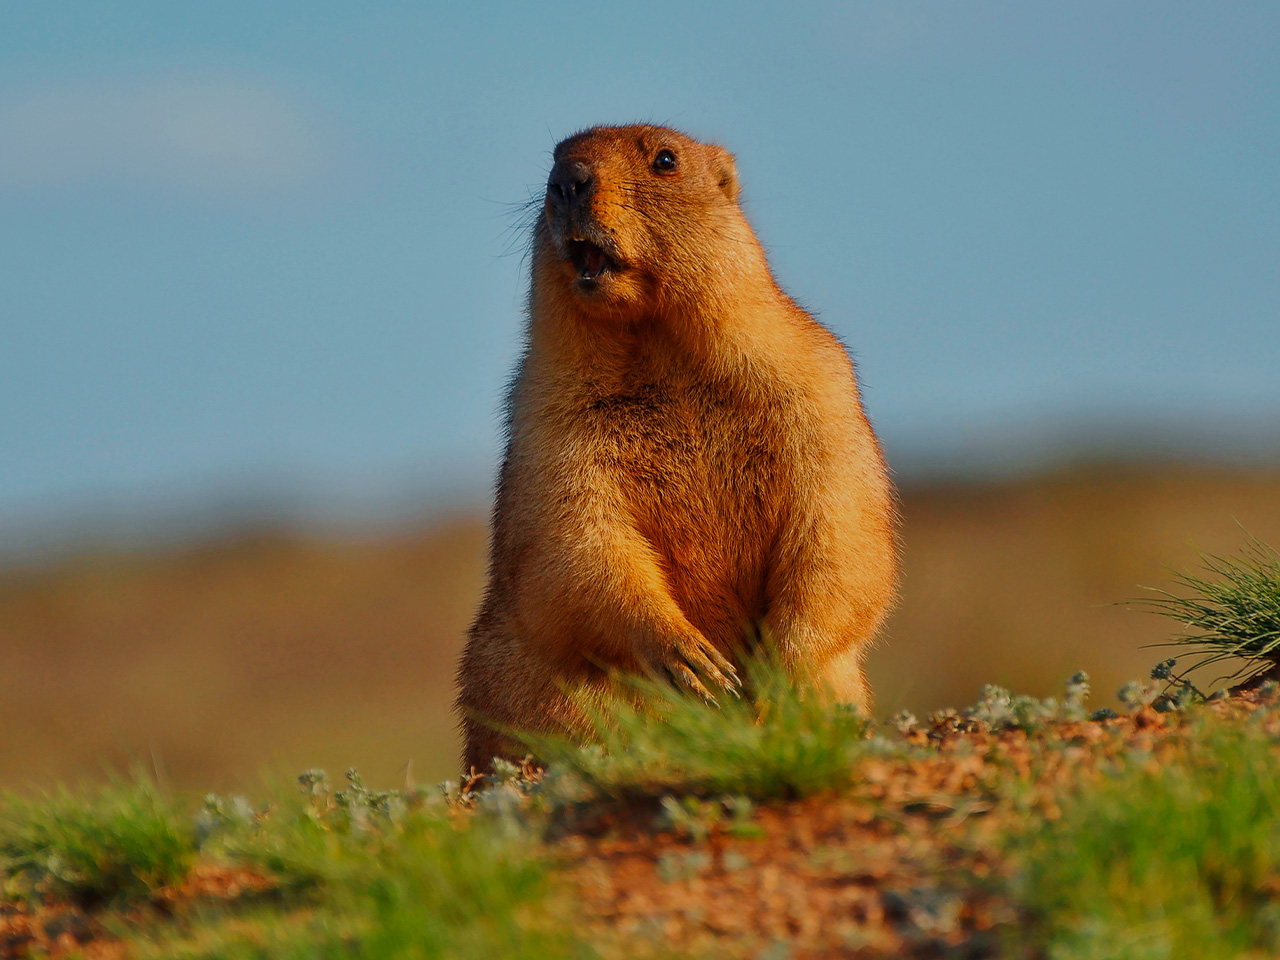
(688, 463)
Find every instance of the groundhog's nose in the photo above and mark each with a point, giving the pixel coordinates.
(571, 183)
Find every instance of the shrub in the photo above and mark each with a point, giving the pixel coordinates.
(1234, 609)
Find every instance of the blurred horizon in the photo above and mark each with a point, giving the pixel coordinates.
(266, 651)
(193, 514)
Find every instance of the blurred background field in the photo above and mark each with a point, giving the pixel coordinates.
(271, 653)
(261, 286)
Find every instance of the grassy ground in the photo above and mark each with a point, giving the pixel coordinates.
(1016, 828)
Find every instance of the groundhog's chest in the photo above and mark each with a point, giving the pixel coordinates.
(703, 471)
(685, 438)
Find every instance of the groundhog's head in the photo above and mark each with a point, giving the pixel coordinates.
(636, 217)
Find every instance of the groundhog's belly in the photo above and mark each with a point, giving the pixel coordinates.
(700, 484)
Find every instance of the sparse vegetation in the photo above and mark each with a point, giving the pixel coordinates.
(783, 740)
(998, 709)
(385, 874)
(1233, 609)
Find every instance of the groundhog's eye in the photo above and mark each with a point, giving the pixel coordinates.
(664, 162)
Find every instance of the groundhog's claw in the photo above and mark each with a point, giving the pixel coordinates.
(686, 678)
(732, 683)
(692, 662)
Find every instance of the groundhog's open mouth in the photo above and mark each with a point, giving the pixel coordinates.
(589, 260)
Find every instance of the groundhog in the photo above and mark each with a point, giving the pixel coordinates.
(688, 463)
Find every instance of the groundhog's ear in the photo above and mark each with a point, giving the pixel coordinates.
(726, 173)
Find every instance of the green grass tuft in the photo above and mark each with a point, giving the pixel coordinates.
(1169, 861)
(123, 841)
(1234, 607)
(786, 739)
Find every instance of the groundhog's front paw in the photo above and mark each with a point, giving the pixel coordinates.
(691, 660)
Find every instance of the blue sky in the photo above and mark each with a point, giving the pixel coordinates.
(266, 252)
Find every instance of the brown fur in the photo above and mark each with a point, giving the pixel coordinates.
(688, 460)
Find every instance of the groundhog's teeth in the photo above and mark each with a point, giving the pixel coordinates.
(593, 261)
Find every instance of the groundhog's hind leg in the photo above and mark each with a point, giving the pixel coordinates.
(844, 677)
(507, 690)
(831, 586)
(493, 698)
(481, 743)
